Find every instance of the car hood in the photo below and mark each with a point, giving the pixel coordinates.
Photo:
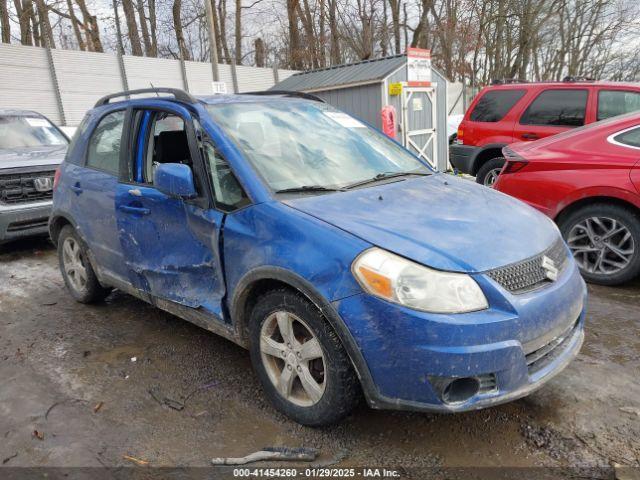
(440, 221)
(32, 156)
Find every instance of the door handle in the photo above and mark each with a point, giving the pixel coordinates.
(134, 210)
(530, 136)
(76, 188)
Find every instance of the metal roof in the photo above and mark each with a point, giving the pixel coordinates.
(368, 71)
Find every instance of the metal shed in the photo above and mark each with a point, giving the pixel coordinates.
(362, 90)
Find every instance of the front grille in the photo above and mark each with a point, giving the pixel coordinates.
(530, 274)
(543, 356)
(16, 188)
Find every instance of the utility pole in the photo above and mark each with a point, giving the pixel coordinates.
(118, 31)
(212, 40)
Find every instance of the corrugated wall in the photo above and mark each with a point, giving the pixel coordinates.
(28, 79)
(83, 77)
(25, 80)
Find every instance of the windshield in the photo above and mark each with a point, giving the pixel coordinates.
(17, 131)
(302, 144)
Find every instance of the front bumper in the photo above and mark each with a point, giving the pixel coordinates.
(407, 353)
(463, 157)
(24, 220)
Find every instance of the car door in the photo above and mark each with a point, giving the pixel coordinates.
(552, 111)
(93, 183)
(171, 245)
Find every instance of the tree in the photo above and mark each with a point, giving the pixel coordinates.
(5, 25)
(132, 27)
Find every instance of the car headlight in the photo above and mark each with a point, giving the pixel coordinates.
(401, 281)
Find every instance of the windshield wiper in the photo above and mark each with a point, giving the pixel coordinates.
(384, 176)
(309, 188)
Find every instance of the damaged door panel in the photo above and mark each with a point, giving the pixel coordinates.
(170, 244)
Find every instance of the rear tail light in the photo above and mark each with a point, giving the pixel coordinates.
(56, 178)
(459, 136)
(514, 162)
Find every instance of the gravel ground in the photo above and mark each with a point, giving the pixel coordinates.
(70, 394)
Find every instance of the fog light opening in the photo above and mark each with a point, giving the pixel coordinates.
(461, 389)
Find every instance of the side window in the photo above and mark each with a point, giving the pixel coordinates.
(228, 192)
(495, 104)
(630, 138)
(557, 108)
(163, 140)
(617, 102)
(104, 146)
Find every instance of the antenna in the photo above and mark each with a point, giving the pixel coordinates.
(157, 94)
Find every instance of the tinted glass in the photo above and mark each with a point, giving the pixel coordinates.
(228, 192)
(17, 131)
(631, 138)
(104, 146)
(298, 143)
(617, 102)
(558, 108)
(495, 104)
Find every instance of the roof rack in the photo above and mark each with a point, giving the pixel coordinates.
(180, 95)
(287, 93)
(506, 81)
(570, 78)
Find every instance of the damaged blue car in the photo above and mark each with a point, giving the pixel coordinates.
(346, 265)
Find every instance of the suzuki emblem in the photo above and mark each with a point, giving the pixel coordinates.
(550, 268)
(43, 184)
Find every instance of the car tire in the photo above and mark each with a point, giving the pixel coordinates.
(77, 272)
(590, 248)
(488, 173)
(335, 389)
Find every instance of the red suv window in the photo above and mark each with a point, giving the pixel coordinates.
(495, 104)
(617, 102)
(557, 108)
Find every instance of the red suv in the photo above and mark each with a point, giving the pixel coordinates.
(514, 112)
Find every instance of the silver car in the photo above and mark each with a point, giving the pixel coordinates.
(31, 148)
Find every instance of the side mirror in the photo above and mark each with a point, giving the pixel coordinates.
(174, 179)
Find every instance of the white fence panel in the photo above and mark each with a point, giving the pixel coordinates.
(282, 74)
(251, 79)
(25, 80)
(142, 72)
(83, 78)
(200, 77)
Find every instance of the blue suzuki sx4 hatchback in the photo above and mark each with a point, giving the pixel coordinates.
(346, 265)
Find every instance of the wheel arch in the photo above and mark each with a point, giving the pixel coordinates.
(56, 223)
(263, 279)
(488, 152)
(572, 207)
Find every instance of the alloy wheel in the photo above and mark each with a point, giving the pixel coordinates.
(491, 177)
(601, 245)
(73, 263)
(293, 358)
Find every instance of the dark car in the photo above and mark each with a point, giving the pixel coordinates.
(31, 148)
(516, 112)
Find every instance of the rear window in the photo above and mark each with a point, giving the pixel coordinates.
(557, 108)
(630, 138)
(617, 102)
(495, 104)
